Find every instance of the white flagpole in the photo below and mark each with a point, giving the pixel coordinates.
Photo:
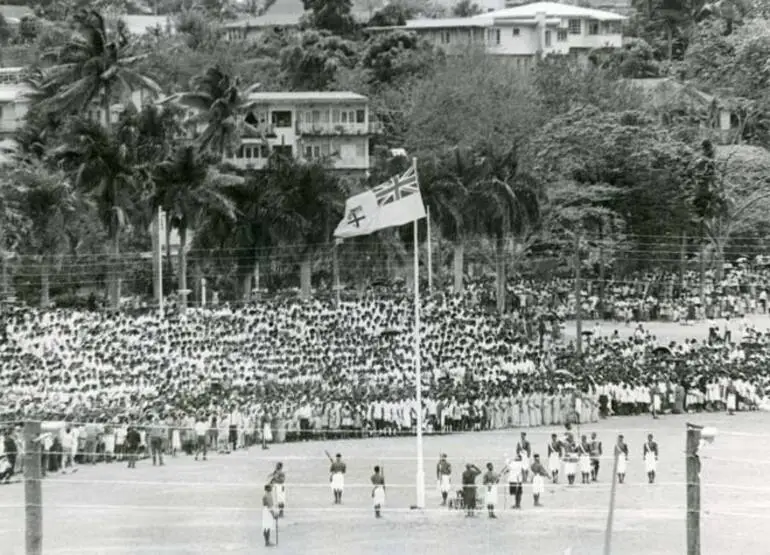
(430, 256)
(159, 254)
(417, 369)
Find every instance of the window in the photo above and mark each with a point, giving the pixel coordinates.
(324, 116)
(360, 116)
(561, 35)
(493, 36)
(593, 27)
(360, 150)
(574, 27)
(343, 117)
(283, 150)
(445, 37)
(264, 151)
(547, 39)
(516, 31)
(282, 119)
(335, 116)
(313, 151)
(316, 116)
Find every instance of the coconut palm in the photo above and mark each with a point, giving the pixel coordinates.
(94, 66)
(51, 205)
(222, 107)
(311, 205)
(105, 169)
(188, 187)
(504, 204)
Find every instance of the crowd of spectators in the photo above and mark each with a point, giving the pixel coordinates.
(290, 370)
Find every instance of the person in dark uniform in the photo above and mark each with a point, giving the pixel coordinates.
(443, 476)
(133, 439)
(469, 488)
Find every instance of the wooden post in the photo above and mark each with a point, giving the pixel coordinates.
(336, 271)
(33, 492)
(611, 513)
(693, 490)
(578, 300)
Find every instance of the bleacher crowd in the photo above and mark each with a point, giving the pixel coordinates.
(292, 370)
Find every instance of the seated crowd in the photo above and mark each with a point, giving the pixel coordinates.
(297, 370)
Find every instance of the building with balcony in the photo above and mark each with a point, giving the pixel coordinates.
(526, 32)
(331, 126)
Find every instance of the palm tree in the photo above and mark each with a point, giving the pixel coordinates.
(188, 187)
(94, 66)
(50, 204)
(504, 203)
(312, 203)
(103, 163)
(223, 107)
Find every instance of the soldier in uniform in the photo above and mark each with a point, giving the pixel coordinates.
(278, 481)
(337, 478)
(514, 472)
(524, 451)
(469, 488)
(621, 452)
(554, 457)
(378, 491)
(596, 454)
(443, 476)
(584, 460)
(539, 474)
(650, 453)
(490, 480)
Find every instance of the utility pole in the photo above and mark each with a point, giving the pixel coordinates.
(693, 489)
(578, 299)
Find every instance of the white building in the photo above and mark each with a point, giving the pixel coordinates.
(334, 126)
(13, 100)
(525, 32)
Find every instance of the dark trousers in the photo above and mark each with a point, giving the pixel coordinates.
(304, 429)
(233, 437)
(201, 446)
(156, 449)
(515, 490)
(595, 467)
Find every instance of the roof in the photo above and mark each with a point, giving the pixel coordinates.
(12, 92)
(454, 22)
(138, 24)
(329, 96)
(286, 13)
(16, 12)
(553, 9)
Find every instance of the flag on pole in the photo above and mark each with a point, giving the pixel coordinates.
(361, 214)
(396, 202)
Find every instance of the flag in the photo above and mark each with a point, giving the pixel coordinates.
(399, 200)
(361, 216)
(396, 202)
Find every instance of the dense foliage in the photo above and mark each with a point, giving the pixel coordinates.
(515, 168)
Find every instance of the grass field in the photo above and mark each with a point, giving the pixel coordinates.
(214, 506)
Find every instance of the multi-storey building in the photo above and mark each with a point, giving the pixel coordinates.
(526, 32)
(331, 126)
(13, 99)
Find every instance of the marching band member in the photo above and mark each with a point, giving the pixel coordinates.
(584, 460)
(539, 475)
(554, 458)
(524, 451)
(650, 453)
(444, 478)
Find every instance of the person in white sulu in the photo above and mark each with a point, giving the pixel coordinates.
(378, 491)
(650, 452)
(621, 452)
(269, 517)
(490, 481)
(337, 478)
(444, 478)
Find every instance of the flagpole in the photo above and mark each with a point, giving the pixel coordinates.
(430, 255)
(417, 365)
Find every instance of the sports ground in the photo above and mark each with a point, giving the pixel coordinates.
(212, 507)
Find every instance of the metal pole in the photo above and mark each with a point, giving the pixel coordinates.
(693, 490)
(336, 271)
(417, 367)
(159, 258)
(203, 292)
(578, 299)
(611, 513)
(33, 491)
(430, 255)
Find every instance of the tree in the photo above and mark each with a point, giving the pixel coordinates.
(51, 204)
(187, 188)
(634, 60)
(311, 61)
(311, 205)
(334, 16)
(392, 14)
(94, 66)
(223, 107)
(389, 59)
(466, 8)
(103, 163)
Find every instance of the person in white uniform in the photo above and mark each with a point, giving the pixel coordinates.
(490, 480)
(650, 453)
(269, 518)
(337, 471)
(378, 491)
(621, 452)
(444, 478)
